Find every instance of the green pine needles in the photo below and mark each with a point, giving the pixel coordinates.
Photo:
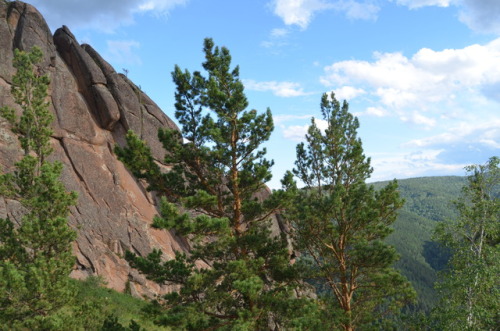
(340, 223)
(36, 257)
(237, 276)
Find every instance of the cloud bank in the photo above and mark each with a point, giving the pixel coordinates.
(478, 15)
(417, 88)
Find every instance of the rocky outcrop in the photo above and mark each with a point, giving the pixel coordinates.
(94, 108)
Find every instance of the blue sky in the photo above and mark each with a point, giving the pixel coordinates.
(423, 76)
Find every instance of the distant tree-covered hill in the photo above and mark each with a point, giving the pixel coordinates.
(428, 200)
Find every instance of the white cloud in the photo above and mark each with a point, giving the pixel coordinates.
(301, 12)
(274, 46)
(159, 6)
(321, 124)
(122, 51)
(413, 164)
(418, 118)
(490, 143)
(374, 111)
(357, 10)
(413, 4)
(450, 151)
(277, 39)
(479, 15)
(99, 15)
(463, 133)
(281, 89)
(298, 12)
(424, 155)
(469, 66)
(446, 153)
(347, 92)
(285, 118)
(419, 88)
(298, 132)
(279, 32)
(295, 132)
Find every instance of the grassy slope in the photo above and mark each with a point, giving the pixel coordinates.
(427, 202)
(123, 306)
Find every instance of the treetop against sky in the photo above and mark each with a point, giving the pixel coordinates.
(423, 76)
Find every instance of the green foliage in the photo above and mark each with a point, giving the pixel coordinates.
(427, 201)
(341, 223)
(237, 276)
(111, 324)
(431, 197)
(29, 90)
(35, 258)
(469, 289)
(97, 304)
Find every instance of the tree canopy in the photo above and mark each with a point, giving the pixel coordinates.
(469, 288)
(340, 223)
(237, 274)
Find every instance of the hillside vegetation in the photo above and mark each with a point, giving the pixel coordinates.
(427, 201)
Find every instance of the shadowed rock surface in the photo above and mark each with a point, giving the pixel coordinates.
(94, 107)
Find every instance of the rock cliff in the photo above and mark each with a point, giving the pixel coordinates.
(94, 107)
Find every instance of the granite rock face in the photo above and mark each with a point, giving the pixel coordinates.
(94, 107)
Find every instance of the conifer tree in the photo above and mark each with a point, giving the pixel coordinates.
(470, 287)
(35, 257)
(237, 276)
(340, 224)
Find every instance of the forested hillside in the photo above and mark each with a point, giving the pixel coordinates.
(427, 201)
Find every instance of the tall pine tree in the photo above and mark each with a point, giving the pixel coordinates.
(237, 276)
(470, 287)
(340, 224)
(36, 257)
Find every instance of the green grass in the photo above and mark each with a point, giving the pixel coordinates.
(123, 306)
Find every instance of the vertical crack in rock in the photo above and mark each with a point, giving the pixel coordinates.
(90, 78)
(76, 171)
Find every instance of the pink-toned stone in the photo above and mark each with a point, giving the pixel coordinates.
(93, 108)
